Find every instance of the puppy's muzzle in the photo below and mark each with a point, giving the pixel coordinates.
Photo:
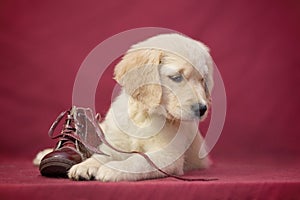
(199, 109)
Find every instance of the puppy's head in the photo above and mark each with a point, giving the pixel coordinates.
(170, 71)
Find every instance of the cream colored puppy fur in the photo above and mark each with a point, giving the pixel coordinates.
(161, 79)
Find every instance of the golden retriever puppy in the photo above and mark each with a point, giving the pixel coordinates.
(166, 84)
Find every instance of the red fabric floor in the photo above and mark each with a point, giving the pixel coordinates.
(255, 45)
(259, 178)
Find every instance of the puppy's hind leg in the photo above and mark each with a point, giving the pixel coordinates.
(37, 160)
(193, 158)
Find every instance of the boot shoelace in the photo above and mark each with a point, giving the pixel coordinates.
(69, 130)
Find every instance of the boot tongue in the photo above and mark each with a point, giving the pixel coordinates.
(85, 128)
(73, 110)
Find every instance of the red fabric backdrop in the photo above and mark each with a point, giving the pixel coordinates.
(255, 45)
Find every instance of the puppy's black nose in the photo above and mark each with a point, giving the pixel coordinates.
(199, 109)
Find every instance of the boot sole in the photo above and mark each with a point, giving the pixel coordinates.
(56, 167)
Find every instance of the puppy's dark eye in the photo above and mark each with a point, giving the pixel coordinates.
(177, 78)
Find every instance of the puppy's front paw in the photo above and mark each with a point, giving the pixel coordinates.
(86, 170)
(106, 173)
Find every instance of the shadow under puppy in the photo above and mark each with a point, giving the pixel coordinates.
(166, 85)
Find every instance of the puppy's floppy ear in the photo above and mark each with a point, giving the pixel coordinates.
(209, 81)
(208, 73)
(138, 73)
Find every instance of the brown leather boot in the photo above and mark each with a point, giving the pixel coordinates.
(68, 151)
